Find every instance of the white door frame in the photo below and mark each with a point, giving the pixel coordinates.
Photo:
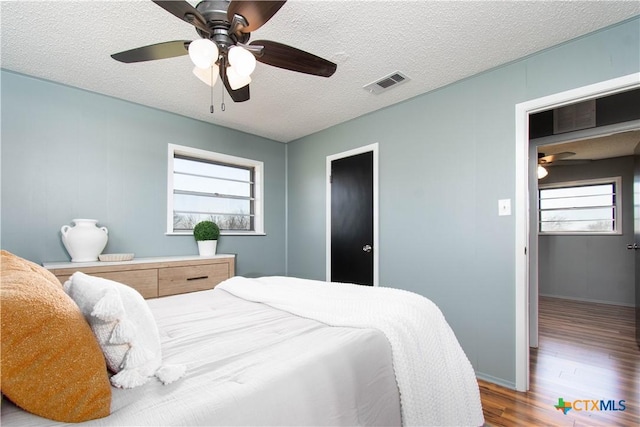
(376, 246)
(522, 234)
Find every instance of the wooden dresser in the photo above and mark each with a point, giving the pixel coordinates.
(156, 277)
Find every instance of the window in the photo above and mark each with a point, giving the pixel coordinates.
(204, 185)
(580, 207)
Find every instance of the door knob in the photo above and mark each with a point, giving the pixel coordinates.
(634, 247)
(367, 248)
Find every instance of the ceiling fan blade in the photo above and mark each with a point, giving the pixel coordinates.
(563, 155)
(555, 157)
(186, 12)
(569, 162)
(255, 12)
(287, 57)
(238, 95)
(154, 51)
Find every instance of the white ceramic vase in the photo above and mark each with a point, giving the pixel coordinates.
(85, 240)
(207, 247)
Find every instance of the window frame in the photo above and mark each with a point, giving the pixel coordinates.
(617, 205)
(225, 159)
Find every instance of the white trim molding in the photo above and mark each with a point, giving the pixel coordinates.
(376, 241)
(616, 204)
(258, 186)
(522, 219)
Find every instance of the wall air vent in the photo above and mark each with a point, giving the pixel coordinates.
(569, 118)
(386, 83)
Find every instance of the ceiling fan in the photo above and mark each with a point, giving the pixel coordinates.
(548, 160)
(551, 158)
(225, 28)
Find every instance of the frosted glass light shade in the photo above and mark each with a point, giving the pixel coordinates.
(236, 81)
(242, 60)
(542, 172)
(205, 74)
(203, 53)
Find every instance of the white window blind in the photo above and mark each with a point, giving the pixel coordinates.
(580, 207)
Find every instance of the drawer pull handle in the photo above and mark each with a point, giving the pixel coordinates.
(198, 278)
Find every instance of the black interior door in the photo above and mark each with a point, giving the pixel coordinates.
(352, 219)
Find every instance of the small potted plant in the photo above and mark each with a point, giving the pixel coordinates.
(206, 234)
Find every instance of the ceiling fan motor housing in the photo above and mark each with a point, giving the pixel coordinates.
(215, 14)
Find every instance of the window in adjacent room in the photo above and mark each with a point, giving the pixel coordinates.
(581, 207)
(203, 185)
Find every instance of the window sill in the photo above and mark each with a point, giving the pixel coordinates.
(225, 233)
(576, 233)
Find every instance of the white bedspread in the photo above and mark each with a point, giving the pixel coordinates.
(436, 381)
(251, 364)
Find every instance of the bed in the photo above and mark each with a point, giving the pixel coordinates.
(286, 351)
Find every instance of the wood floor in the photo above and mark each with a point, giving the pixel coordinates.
(587, 352)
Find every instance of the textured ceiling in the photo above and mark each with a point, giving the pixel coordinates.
(598, 148)
(433, 42)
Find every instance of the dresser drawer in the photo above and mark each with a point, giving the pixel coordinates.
(143, 281)
(178, 280)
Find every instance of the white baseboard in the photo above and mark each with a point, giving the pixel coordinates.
(588, 300)
(495, 380)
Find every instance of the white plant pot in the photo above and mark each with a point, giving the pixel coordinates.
(207, 247)
(85, 240)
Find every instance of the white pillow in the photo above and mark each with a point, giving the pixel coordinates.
(125, 329)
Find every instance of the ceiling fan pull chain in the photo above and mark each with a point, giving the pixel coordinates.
(211, 109)
(222, 106)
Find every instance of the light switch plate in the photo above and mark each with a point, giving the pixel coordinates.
(504, 207)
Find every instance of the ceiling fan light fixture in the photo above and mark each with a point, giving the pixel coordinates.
(542, 172)
(203, 53)
(236, 81)
(208, 76)
(224, 27)
(242, 60)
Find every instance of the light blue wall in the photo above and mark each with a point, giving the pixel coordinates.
(69, 153)
(591, 268)
(446, 158)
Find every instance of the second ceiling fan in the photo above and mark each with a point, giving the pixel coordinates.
(225, 28)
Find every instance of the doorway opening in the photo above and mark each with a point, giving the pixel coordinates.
(582, 217)
(524, 239)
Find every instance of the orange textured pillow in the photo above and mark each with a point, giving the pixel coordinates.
(51, 364)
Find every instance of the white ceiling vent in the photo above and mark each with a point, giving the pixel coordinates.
(386, 83)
